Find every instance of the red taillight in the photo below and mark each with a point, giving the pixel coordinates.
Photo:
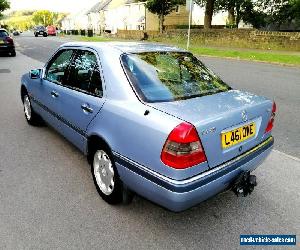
(183, 148)
(271, 121)
(9, 40)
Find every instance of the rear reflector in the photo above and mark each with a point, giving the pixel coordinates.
(271, 121)
(183, 148)
(9, 40)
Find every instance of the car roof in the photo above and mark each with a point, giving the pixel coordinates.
(3, 29)
(126, 47)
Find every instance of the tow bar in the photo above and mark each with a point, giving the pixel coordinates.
(244, 184)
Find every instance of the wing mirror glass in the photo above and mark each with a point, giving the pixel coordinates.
(35, 73)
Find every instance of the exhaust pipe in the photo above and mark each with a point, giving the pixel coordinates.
(244, 184)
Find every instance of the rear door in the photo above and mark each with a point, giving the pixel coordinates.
(81, 96)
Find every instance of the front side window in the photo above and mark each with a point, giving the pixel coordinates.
(57, 69)
(84, 73)
(170, 76)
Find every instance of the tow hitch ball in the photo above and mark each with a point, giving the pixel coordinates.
(244, 184)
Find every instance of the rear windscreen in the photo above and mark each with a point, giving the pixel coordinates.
(3, 33)
(170, 76)
(40, 28)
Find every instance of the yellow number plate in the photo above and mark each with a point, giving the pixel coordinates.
(1, 41)
(238, 135)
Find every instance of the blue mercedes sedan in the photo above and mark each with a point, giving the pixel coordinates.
(152, 120)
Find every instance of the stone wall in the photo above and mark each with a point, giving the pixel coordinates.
(223, 37)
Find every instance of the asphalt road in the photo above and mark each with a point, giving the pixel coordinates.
(48, 199)
(280, 83)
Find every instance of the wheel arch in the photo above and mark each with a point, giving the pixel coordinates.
(93, 142)
(23, 92)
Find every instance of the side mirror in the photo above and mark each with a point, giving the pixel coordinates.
(35, 73)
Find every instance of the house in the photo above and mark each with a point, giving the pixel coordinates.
(180, 16)
(96, 17)
(135, 17)
(75, 21)
(88, 18)
(132, 15)
(111, 15)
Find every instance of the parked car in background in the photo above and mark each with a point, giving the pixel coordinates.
(16, 33)
(40, 31)
(152, 120)
(6, 43)
(51, 30)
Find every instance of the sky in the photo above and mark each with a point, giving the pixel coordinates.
(70, 6)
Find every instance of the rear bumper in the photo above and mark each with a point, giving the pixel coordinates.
(7, 48)
(40, 33)
(180, 195)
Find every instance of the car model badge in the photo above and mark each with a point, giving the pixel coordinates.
(208, 131)
(244, 116)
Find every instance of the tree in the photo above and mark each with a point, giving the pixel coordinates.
(44, 17)
(250, 14)
(162, 8)
(4, 5)
(233, 8)
(246, 10)
(281, 11)
(209, 11)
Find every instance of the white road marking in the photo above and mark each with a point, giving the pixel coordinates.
(289, 156)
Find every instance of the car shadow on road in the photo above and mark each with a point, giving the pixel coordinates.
(5, 55)
(223, 217)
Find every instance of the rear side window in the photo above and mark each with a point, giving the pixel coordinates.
(170, 76)
(57, 69)
(84, 73)
(3, 33)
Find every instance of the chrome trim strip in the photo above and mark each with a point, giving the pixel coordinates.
(197, 177)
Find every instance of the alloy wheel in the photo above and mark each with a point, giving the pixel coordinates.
(104, 172)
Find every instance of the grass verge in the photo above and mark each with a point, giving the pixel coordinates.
(267, 56)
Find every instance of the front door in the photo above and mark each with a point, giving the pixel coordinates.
(45, 94)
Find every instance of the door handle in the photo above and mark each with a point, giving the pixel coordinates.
(86, 108)
(54, 94)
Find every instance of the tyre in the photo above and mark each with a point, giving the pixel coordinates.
(31, 117)
(36, 35)
(105, 176)
(13, 53)
(45, 35)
